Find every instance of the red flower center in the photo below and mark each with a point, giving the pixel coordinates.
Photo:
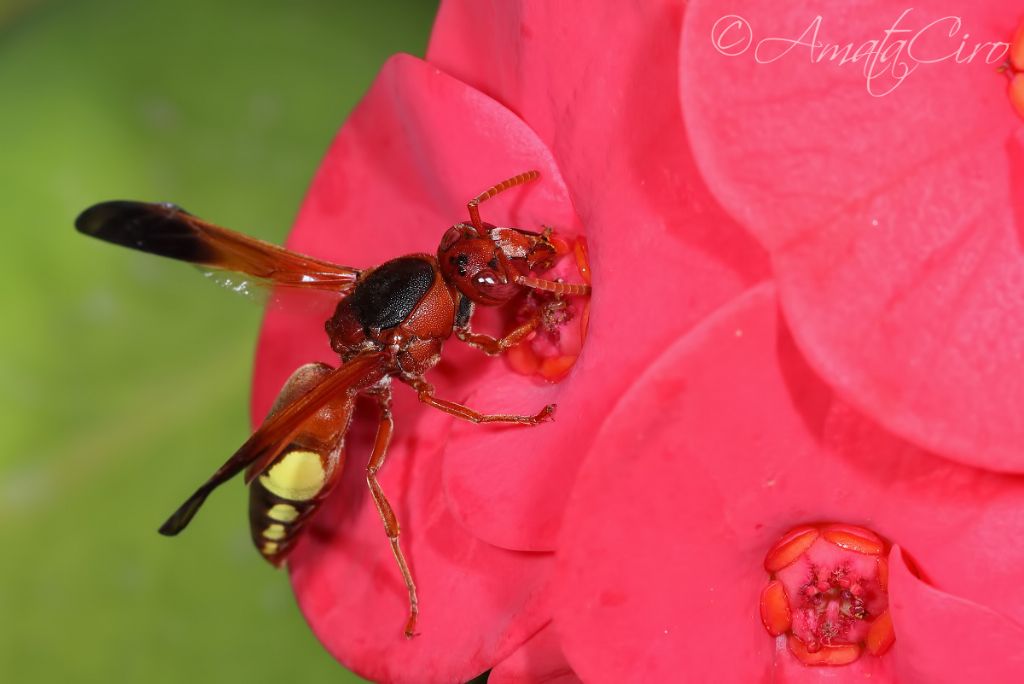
(1014, 67)
(552, 349)
(828, 593)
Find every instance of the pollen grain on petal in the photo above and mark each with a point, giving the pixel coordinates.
(881, 635)
(1013, 67)
(582, 259)
(775, 613)
(790, 547)
(854, 538)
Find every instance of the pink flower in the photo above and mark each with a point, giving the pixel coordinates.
(731, 440)
(398, 174)
(626, 540)
(894, 242)
(480, 507)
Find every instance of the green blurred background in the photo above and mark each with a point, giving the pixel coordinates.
(124, 378)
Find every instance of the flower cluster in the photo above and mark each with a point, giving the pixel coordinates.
(791, 444)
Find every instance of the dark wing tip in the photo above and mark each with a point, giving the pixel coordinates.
(101, 219)
(180, 519)
(161, 229)
(171, 528)
(93, 220)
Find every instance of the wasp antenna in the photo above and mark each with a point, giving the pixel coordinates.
(474, 204)
(572, 289)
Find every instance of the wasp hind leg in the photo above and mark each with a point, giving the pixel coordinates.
(387, 514)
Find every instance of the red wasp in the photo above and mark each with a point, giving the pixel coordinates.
(391, 322)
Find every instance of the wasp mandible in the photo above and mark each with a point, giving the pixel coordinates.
(391, 323)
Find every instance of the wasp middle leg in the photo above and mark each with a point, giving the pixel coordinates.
(425, 392)
(497, 345)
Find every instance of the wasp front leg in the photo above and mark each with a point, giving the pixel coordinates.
(498, 345)
(387, 514)
(541, 310)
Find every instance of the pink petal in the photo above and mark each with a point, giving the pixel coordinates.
(725, 443)
(663, 253)
(868, 669)
(892, 221)
(398, 174)
(942, 638)
(657, 579)
(538, 660)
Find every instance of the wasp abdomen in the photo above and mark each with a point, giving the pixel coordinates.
(291, 489)
(283, 498)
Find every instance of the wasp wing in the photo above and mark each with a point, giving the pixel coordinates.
(277, 431)
(170, 231)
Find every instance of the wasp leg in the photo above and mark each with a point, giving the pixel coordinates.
(426, 394)
(494, 346)
(387, 514)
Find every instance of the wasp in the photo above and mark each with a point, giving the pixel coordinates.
(391, 322)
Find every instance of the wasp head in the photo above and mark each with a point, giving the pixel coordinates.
(489, 266)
